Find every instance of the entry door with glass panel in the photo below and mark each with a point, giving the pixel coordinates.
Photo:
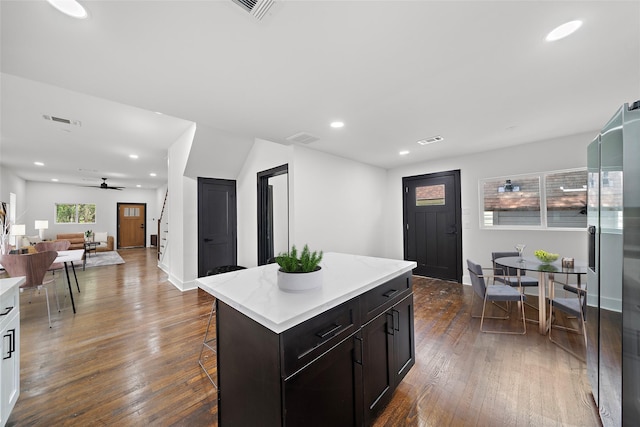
(132, 225)
(432, 222)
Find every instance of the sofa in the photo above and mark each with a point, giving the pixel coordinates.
(77, 241)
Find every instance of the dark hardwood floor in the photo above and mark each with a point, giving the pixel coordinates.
(129, 358)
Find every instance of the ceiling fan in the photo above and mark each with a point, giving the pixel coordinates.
(104, 186)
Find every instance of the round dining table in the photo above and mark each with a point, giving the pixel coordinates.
(546, 272)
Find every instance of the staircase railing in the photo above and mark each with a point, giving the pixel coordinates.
(163, 229)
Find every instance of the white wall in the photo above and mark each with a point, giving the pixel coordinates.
(216, 154)
(262, 156)
(181, 253)
(12, 183)
(42, 197)
(477, 244)
(338, 204)
(335, 204)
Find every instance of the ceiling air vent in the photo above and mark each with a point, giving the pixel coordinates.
(61, 120)
(257, 8)
(430, 140)
(303, 138)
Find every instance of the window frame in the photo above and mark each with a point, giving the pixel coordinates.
(77, 210)
(542, 179)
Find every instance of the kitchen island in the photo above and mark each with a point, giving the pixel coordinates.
(328, 356)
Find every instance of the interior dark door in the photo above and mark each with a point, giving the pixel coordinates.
(433, 224)
(217, 224)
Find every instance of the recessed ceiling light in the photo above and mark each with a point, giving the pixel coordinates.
(430, 140)
(38, 163)
(152, 174)
(133, 156)
(70, 7)
(54, 179)
(138, 185)
(563, 31)
(337, 125)
(403, 153)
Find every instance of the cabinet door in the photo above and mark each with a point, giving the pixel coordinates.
(403, 338)
(10, 365)
(377, 364)
(328, 391)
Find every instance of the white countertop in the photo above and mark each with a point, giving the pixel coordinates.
(255, 293)
(9, 282)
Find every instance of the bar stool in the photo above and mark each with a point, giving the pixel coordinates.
(210, 344)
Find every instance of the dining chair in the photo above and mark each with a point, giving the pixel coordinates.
(55, 245)
(573, 305)
(493, 293)
(510, 276)
(209, 343)
(34, 267)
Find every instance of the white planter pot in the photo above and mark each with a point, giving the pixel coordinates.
(299, 282)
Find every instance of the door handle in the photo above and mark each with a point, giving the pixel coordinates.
(330, 331)
(359, 362)
(12, 343)
(390, 322)
(390, 293)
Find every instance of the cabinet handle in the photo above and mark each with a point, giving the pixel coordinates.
(12, 342)
(332, 329)
(6, 311)
(359, 362)
(396, 323)
(390, 293)
(389, 323)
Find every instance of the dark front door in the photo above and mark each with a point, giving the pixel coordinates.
(216, 224)
(432, 221)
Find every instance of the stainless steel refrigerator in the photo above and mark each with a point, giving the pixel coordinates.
(613, 279)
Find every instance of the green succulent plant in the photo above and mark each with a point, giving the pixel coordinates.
(308, 261)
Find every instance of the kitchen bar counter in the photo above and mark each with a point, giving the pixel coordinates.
(331, 356)
(254, 292)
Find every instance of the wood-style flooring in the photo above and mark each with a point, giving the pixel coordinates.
(129, 358)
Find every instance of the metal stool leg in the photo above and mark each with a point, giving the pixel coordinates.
(209, 344)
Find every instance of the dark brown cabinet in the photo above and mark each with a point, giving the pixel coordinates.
(338, 368)
(388, 354)
(328, 391)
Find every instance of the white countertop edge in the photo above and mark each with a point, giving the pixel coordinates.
(306, 315)
(10, 282)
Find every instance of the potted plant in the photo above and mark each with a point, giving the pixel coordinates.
(299, 273)
(88, 236)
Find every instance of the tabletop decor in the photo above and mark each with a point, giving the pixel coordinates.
(298, 274)
(88, 235)
(546, 257)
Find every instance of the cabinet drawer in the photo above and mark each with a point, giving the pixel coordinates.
(9, 303)
(303, 343)
(384, 296)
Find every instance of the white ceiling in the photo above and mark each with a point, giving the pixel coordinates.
(478, 73)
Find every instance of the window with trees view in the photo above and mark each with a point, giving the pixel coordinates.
(75, 213)
(555, 199)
